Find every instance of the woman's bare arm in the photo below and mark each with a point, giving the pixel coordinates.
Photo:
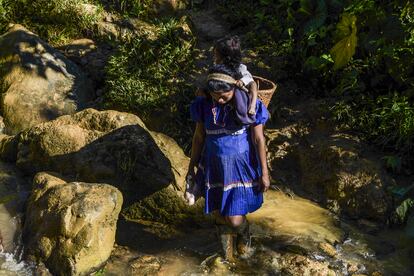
(259, 142)
(196, 147)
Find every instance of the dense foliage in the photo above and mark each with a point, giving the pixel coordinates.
(358, 53)
(56, 21)
(146, 77)
(133, 8)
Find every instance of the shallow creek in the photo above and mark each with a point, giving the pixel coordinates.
(291, 236)
(12, 195)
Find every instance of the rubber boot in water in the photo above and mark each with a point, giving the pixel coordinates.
(243, 240)
(226, 237)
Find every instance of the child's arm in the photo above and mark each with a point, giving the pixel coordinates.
(253, 93)
(248, 81)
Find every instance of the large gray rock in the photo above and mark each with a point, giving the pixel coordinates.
(335, 169)
(92, 146)
(109, 147)
(70, 226)
(37, 82)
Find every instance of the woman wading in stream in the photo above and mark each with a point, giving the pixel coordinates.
(230, 158)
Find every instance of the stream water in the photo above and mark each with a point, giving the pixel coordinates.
(282, 228)
(288, 234)
(12, 196)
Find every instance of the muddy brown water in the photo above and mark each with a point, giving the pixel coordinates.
(282, 227)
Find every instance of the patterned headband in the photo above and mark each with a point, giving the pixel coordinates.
(225, 78)
(221, 77)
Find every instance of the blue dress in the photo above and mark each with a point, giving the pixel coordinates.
(229, 168)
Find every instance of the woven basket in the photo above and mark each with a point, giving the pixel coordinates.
(266, 89)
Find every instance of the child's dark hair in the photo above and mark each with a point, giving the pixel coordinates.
(229, 50)
(216, 85)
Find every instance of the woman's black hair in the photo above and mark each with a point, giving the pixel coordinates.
(229, 50)
(216, 85)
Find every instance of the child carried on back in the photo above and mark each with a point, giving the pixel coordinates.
(227, 52)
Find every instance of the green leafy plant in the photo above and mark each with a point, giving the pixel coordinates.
(317, 12)
(57, 21)
(146, 77)
(358, 52)
(402, 212)
(133, 8)
(344, 49)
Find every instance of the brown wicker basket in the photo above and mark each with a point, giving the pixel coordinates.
(266, 89)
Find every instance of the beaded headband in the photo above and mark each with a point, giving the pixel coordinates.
(224, 78)
(221, 77)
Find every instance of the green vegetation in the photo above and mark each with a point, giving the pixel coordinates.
(358, 53)
(133, 8)
(56, 21)
(146, 77)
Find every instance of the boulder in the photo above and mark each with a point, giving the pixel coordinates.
(167, 205)
(335, 169)
(37, 82)
(70, 226)
(89, 56)
(115, 148)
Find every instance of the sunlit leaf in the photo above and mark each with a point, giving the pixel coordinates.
(346, 26)
(344, 49)
(403, 210)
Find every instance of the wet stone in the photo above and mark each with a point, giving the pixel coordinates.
(352, 268)
(328, 249)
(145, 265)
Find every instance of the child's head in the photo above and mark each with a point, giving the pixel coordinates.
(227, 51)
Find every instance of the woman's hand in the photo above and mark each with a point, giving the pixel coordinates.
(264, 182)
(190, 174)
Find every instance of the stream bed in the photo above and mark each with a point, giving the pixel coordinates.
(291, 236)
